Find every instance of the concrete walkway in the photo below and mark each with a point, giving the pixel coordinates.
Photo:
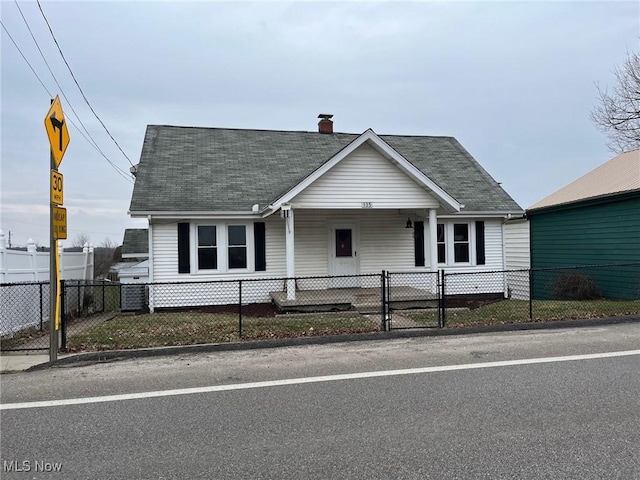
(20, 361)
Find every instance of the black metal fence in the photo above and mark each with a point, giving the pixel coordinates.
(109, 315)
(24, 316)
(540, 294)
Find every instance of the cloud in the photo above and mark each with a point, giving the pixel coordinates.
(513, 81)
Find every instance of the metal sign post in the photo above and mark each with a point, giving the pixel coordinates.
(58, 134)
(53, 284)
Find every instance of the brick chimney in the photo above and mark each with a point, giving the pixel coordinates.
(325, 125)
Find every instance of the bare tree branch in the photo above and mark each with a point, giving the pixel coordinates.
(103, 257)
(81, 239)
(618, 115)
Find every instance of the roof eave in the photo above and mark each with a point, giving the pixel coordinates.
(370, 136)
(193, 214)
(485, 213)
(585, 201)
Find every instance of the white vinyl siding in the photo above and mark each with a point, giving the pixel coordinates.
(365, 179)
(517, 258)
(384, 244)
(274, 240)
(165, 252)
(383, 240)
(516, 244)
(493, 245)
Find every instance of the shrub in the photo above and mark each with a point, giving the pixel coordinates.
(576, 286)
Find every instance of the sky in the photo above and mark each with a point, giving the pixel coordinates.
(514, 82)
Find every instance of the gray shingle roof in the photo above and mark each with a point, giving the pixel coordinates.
(215, 169)
(136, 241)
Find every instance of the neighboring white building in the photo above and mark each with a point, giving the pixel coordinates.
(135, 252)
(133, 272)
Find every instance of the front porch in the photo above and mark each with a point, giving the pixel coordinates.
(362, 299)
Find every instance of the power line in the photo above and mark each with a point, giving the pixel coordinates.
(51, 71)
(78, 85)
(95, 144)
(121, 172)
(25, 59)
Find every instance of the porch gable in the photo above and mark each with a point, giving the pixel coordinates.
(368, 146)
(365, 179)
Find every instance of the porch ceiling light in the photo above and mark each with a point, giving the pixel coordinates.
(409, 224)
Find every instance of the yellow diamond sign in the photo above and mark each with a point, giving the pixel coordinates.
(57, 131)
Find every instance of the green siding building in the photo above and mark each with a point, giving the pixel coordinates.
(592, 221)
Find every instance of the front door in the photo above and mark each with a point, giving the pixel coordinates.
(344, 255)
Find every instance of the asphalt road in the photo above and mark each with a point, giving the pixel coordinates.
(558, 419)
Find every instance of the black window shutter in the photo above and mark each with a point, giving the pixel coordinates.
(184, 260)
(418, 239)
(260, 246)
(480, 258)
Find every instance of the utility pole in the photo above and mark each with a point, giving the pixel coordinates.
(53, 279)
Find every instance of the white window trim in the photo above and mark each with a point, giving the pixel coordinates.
(196, 247)
(222, 245)
(449, 243)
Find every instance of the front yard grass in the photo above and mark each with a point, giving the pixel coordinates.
(190, 328)
(197, 327)
(30, 334)
(517, 311)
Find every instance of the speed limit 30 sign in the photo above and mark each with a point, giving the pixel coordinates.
(57, 195)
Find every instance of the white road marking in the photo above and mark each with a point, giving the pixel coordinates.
(298, 381)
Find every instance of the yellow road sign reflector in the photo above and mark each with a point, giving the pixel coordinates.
(59, 223)
(57, 195)
(56, 127)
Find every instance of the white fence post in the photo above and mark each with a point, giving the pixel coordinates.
(3, 259)
(31, 249)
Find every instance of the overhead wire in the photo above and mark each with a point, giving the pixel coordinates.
(25, 59)
(51, 71)
(92, 141)
(78, 85)
(118, 170)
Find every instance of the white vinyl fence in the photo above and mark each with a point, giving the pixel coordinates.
(24, 287)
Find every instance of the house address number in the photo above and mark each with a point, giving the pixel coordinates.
(367, 205)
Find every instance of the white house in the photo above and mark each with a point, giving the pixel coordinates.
(237, 204)
(135, 253)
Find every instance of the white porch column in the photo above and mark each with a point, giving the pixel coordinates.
(290, 252)
(433, 240)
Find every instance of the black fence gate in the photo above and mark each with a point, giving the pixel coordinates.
(412, 300)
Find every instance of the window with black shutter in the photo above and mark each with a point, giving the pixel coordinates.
(184, 260)
(418, 243)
